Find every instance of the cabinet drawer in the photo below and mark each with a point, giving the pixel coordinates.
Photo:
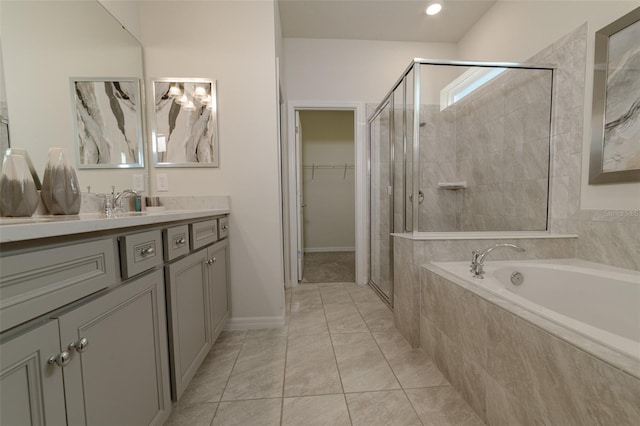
(223, 227)
(140, 252)
(203, 233)
(35, 283)
(176, 242)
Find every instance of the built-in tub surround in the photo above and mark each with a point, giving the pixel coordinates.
(410, 251)
(513, 365)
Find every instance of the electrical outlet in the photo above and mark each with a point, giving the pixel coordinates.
(138, 182)
(162, 182)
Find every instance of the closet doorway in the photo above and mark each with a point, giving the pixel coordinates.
(327, 193)
(327, 143)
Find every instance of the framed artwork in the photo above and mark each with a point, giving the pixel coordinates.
(615, 139)
(107, 122)
(185, 130)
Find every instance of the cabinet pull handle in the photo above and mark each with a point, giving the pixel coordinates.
(181, 241)
(79, 346)
(147, 251)
(61, 360)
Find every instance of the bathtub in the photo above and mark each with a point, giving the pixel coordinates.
(596, 301)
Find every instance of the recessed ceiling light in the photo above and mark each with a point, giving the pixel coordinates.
(433, 8)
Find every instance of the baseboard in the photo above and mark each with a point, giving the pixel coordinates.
(327, 249)
(250, 323)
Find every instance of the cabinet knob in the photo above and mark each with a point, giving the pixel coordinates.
(181, 241)
(61, 360)
(147, 251)
(80, 345)
(214, 260)
(225, 227)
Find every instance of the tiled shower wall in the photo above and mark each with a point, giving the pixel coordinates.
(605, 236)
(497, 140)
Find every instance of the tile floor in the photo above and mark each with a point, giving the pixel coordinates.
(338, 361)
(328, 267)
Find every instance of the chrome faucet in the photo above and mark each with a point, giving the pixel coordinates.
(477, 259)
(119, 195)
(113, 202)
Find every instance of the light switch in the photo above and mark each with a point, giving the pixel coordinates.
(138, 182)
(162, 181)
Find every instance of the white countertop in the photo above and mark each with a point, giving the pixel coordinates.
(29, 228)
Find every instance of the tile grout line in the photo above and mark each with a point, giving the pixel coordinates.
(286, 355)
(215, 413)
(396, 376)
(284, 377)
(335, 358)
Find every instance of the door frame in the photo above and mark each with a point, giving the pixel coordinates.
(361, 168)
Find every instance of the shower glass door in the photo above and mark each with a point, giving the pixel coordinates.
(381, 205)
(391, 162)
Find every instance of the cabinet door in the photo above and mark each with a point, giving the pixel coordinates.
(31, 389)
(189, 318)
(218, 260)
(120, 377)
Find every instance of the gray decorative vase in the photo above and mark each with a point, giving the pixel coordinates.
(60, 188)
(18, 194)
(23, 153)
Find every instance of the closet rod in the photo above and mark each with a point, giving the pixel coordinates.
(328, 166)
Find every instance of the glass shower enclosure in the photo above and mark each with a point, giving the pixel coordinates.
(469, 142)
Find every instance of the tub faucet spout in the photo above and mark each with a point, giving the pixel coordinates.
(477, 260)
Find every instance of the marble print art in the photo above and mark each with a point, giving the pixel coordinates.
(107, 117)
(622, 116)
(185, 126)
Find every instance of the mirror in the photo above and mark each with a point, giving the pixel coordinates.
(46, 46)
(185, 128)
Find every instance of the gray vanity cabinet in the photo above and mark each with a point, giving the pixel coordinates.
(112, 368)
(189, 312)
(32, 389)
(218, 262)
(117, 374)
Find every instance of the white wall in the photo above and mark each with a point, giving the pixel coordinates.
(234, 43)
(127, 12)
(351, 70)
(329, 194)
(516, 30)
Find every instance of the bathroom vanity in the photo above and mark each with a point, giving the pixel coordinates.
(104, 320)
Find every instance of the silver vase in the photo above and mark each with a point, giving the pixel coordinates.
(60, 188)
(18, 194)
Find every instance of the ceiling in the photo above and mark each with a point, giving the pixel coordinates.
(393, 20)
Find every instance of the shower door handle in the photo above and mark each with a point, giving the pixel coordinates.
(420, 197)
